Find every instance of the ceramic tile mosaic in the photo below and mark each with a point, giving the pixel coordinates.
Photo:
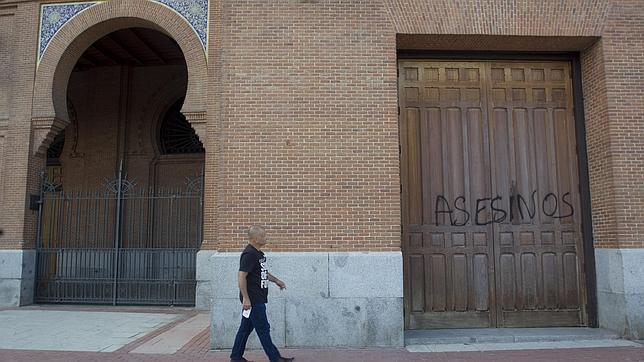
(195, 12)
(53, 17)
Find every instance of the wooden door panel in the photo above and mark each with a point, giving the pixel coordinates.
(481, 268)
(534, 174)
(417, 277)
(444, 163)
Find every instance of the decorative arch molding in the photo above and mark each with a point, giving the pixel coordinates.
(54, 16)
(76, 35)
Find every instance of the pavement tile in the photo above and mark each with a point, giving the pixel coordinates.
(368, 355)
(127, 333)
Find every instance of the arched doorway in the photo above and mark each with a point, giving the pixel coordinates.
(120, 220)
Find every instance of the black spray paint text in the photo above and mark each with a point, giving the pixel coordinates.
(520, 207)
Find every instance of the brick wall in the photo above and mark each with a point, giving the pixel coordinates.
(6, 36)
(17, 131)
(278, 93)
(309, 137)
(302, 125)
(622, 128)
(32, 100)
(598, 145)
(498, 17)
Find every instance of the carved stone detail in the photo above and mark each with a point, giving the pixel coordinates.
(198, 121)
(43, 132)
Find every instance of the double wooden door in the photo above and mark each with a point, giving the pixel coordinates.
(490, 195)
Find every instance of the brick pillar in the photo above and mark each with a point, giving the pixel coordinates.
(614, 94)
(17, 257)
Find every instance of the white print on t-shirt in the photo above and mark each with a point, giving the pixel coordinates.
(262, 264)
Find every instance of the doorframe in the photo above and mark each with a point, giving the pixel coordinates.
(580, 135)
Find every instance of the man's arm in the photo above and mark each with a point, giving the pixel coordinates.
(278, 282)
(243, 288)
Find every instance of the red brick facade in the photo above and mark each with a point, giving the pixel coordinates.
(618, 126)
(300, 100)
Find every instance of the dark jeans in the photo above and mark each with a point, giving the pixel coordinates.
(258, 321)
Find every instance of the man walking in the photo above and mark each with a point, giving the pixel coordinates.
(253, 278)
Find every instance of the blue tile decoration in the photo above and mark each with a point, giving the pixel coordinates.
(53, 17)
(196, 14)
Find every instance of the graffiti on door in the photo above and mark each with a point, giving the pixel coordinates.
(489, 210)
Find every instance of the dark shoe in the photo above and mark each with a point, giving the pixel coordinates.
(240, 360)
(286, 359)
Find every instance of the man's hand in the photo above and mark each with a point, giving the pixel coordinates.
(280, 284)
(246, 304)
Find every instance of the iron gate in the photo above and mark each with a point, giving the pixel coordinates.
(120, 244)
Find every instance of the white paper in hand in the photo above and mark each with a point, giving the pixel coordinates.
(246, 313)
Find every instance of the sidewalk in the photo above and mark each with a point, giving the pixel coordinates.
(54, 333)
(370, 355)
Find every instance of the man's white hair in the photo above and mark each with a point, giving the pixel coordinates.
(255, 232)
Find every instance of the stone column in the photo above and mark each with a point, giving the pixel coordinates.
(620, 290)
(17, 277)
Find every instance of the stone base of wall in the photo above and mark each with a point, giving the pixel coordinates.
(332, 299)
(17, 271)
(204, 295)
(620, 291)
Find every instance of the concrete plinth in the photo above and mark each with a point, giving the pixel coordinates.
(332, 299)
(620, 291)
(17, 271)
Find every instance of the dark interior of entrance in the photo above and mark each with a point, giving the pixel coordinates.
(121, 201)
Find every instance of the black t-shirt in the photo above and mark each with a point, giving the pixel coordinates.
(253, 262)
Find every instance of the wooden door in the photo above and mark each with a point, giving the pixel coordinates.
(489, 176)
(538, 244)
(445, 158)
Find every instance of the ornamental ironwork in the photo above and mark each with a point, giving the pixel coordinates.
(177, 135)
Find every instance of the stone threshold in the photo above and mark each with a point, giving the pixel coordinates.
(505, 335)
(490, 339)
(516, 346)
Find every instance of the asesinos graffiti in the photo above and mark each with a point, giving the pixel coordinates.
(490, 210)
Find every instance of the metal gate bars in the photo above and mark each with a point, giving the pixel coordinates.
(119, 244)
